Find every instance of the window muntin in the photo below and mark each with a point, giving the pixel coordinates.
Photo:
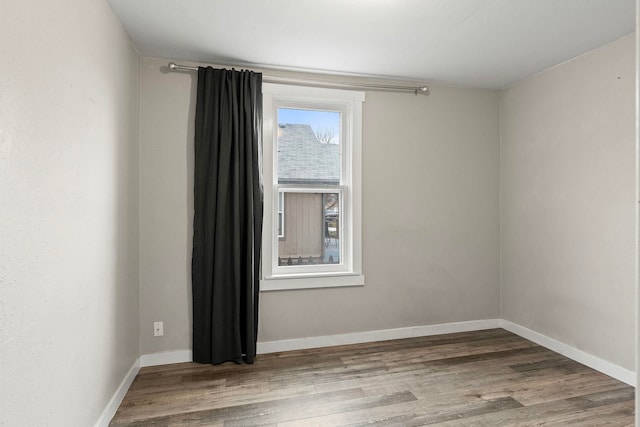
(327, 175)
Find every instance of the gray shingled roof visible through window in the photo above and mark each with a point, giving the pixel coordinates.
(304, 159)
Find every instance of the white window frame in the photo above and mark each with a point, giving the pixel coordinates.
(348, 272)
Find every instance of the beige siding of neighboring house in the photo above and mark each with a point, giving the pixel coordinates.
(302, 226)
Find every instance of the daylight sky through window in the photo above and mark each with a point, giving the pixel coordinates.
(318, 120)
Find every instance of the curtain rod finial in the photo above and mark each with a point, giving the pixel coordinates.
(423, 90)
(173, 65)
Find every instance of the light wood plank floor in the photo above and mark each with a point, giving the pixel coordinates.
(485, 378)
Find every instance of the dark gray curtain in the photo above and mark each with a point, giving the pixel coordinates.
(227, 222)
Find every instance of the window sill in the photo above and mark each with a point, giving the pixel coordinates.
(283, 283)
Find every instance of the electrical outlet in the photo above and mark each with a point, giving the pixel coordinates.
(158, 329)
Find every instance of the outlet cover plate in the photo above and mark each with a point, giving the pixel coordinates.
(158, 329)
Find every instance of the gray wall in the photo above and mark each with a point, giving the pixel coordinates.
(430, 217)
(167, 102)
(568, 203)
(68, 211)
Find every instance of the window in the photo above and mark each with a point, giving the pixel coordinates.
(312, 156)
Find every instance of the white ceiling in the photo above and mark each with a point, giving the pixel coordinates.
(476, 43)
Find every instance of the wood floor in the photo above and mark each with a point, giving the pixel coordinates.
(485, 378)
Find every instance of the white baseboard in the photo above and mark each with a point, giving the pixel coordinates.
(372, 336)
(182, 356)
(114, 403)
(608, 368)
(166, 358)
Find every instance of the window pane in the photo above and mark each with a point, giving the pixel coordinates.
(308, 147)
(312, 229)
